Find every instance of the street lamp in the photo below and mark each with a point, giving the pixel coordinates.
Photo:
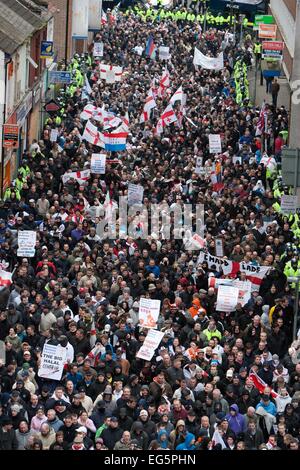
(296, 280)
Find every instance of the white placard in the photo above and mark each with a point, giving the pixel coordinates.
(289, 204)
(26, 243)
(110, 76)
(98, 49)
(135, 194)
(54, 135)
(98, 162)
(199, 161)
(151, 342)
(244, 288)
(164, 53)
(215, 145)
(227, 298)
(148, 312)
(237, 160)
(219, 247)
(53, 361)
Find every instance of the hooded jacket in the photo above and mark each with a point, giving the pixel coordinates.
(237, 423)
(187, 443)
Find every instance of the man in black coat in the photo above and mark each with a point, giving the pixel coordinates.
(8, 440)
(112, 434)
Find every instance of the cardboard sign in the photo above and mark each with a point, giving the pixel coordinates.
(151, 342)
(148, 312)
(54, 135)
(98, 49)
(26, 242)
(219, 247)
(53, 361)
(289, 204)
(164, 53)
(227, 298)
(215, 145)
(199, 161)
(135, 194)
(98, 162)
(110, 76)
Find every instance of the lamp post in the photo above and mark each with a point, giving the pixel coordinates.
(67, 33)
(295, 280)
(231, 12)
(205, 16)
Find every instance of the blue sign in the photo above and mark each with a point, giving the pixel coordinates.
(46, 49)
(60, 77)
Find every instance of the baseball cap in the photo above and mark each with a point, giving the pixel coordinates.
(81, 429)
(229, 373)
(144, 413)
(114, 419)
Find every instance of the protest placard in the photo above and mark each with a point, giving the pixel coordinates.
(151, 342)
(98, 49)
(98, 162)
(289, 204)
(215, 145)
(26, 243)
(53, 359)
(148, 312)
(164, 53)
(54, 135)
(135, 194)
(227, 298)
(198, 167)
(219, 247)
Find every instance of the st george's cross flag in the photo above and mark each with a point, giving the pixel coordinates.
(92, 135)
(149, 104)
(260, 385)
(5, 278)
(80, 176)
(88, 112)
(111, 73)
(167, 117)
(178, 96)
(164, 83)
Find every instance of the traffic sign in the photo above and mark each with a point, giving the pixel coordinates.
(51, 107)
(60, 77)
(10, 136)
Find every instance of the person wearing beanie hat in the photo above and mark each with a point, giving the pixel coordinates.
(148, 425)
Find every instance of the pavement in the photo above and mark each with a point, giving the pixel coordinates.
(261, 95)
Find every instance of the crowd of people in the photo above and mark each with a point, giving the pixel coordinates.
(236, 373)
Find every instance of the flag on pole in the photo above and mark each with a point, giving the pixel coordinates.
(178, 95)
(167, 117)
(164, 83)
(115, 141)
(261, 125)
(150, 47)
(5, 278)
(149, 104)
(88, 112)
(260, 385)
(218, 439)
(104, 19)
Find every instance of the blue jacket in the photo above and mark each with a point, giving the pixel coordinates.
(186, 445)
(269, 407)
(237, 423)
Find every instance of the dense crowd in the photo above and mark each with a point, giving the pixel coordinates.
(82, 290)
